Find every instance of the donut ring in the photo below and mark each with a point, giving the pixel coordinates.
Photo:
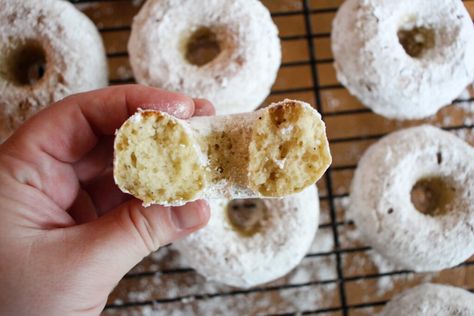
(404, 59)
(223, 254)
(431, 299)
(238, 39)
(417, 162)
(48, 50)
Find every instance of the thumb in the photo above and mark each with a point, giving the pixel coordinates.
(117, 241)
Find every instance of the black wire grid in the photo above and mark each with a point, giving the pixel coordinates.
(316, 88)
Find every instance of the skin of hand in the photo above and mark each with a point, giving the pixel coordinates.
(67, 234)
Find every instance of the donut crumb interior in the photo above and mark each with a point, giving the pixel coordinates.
(227, 150)
(417, 41)
(288, 150)
(431, 196)
(24, 64)
(156, 160)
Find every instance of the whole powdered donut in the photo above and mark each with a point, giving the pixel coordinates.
(404, 59)
(431, 299)
(48, 50)
(239, 34)
(427, 165)
(282, 238)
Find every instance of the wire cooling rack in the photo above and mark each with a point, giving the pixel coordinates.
(340, 275)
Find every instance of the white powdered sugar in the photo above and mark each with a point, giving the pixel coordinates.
(431, 299)
(352, 235)
(222, 254)
(381, 202)
(372, 63)
(358, 263)
(124, 72)
(74, 58)
(237, 80)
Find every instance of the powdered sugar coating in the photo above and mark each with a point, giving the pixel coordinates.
(237, 80)
(221, 254)
(75, 56)
(373, 65)
(381, 202)
(431, 299)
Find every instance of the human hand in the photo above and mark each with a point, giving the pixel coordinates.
(67, 234)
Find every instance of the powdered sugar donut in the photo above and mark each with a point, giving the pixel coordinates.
(249, 242)
(412, 198)
(226, 51)
(48, 50)
(431, 299)
(404, 59)
(273, 152)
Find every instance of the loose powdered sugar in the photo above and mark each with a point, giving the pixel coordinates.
(465, 101)
(431, 299)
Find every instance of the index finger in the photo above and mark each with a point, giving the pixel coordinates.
(70, 128)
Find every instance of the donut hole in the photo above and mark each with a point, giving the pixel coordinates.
(416, 41)
(26, 64)
(202, 47)
(431, 196)
(246, 216)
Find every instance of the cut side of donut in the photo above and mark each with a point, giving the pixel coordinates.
(156, 159)
(275, 152)
(288, 150)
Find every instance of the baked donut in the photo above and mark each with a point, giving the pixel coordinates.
(412, 198)
(48, 50)
(431, 299)
(226, 51)
(274, 152)
(404, 59)
(254, 241)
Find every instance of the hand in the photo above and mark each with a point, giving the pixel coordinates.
(67, 234)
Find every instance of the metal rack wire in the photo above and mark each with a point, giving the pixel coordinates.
(308, 12)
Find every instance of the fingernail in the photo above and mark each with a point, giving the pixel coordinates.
(203, 107)
(189, 215)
